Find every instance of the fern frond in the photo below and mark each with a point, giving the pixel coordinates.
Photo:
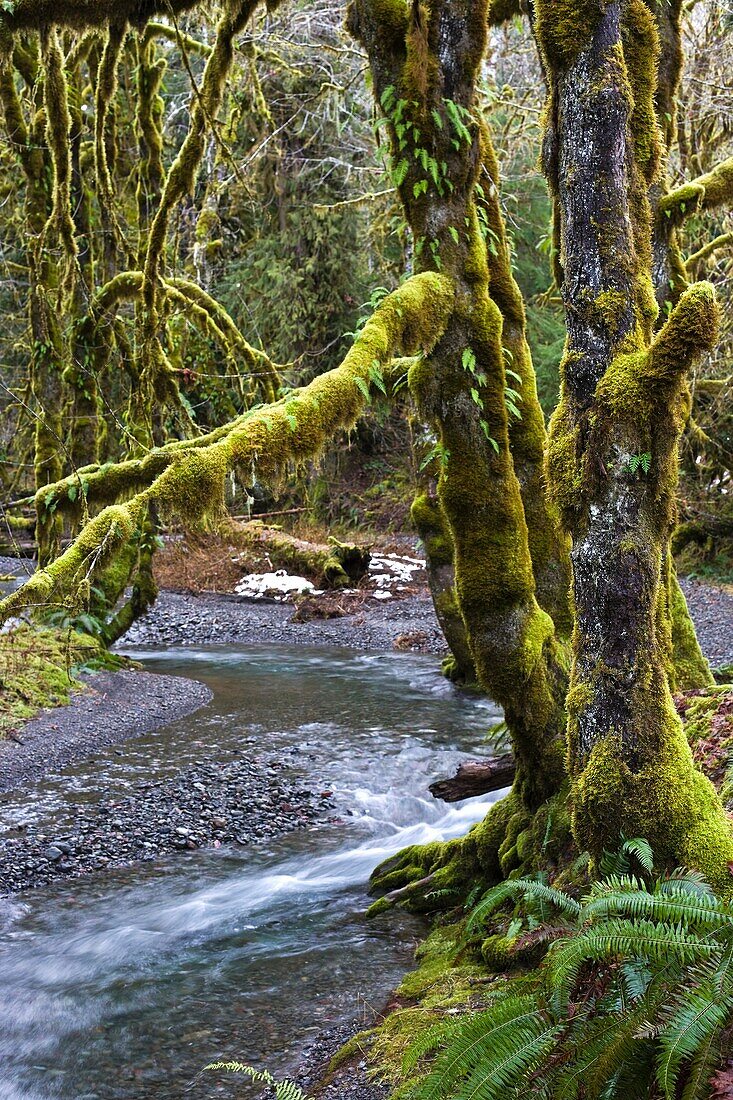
(599, 1049)
(619, 862)
(439, 1035)
(622, 938)
(641, 850)
(692, 882)
(674, 906)
(635, 977)
(497, 1076)
(697, 1085)
(485, 1037)
(492, 900)
(283, 1090)
(688, 1029)
(520, 887)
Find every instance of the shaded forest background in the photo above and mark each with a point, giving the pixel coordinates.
(291, 222)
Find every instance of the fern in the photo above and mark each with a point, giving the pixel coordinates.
(282, 1090)
(487, 1045)
(631, 1000)
(528, 888)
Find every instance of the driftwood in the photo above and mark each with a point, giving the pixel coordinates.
(475, 777)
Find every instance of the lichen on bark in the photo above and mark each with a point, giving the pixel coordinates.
(613, 457)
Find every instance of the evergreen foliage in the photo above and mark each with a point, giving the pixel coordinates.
(632, 999)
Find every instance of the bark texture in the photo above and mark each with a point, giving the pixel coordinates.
(613, 456)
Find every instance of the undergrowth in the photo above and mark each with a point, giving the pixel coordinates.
(40, 668)
(623, 992)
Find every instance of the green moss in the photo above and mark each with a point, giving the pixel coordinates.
(641, 49)
(700, 710)
(663, 799)
(611, 304)
(432, 528)
(564, 27)
(565, 463)
(501, 11)
(58, 123)
(717, 185)
(391, 16)
(35, 671)
(704, 193)
(682, 202)
(445, 981)
(690, 669)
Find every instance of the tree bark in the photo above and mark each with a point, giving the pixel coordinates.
(614, 437)
(424, 63)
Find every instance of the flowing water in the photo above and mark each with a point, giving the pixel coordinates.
(126, 983)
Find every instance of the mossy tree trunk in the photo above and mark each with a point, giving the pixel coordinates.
(47, 357)
(424, 62)
(432, 527)
(614, 437)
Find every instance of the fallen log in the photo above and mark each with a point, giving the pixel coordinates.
(475, 777)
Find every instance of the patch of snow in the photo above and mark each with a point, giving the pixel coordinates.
(392, 571)
(278, 585)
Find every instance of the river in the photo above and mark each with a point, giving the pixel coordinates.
(124, 984)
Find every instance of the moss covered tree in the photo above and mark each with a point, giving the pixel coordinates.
(583, 668)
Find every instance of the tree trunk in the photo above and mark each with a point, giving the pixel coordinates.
(614, 436)
(424, 66)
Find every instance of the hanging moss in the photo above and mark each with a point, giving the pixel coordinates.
(103, 107)
(58, 123)
(181, 175)
(186, 480)
(149, 123)
(641, 49)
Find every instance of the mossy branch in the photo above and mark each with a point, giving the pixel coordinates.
(713, 189)
(186, 480)
(85, 14)
(182, 173)
(725, 240)
(173, 34)
(15, 126)
(640, 380)
(58, 124)
(691, 331)
(105, 91)
(203, 310)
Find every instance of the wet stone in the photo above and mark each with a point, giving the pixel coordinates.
(210, 803)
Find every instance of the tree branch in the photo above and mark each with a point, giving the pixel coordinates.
(186, 480)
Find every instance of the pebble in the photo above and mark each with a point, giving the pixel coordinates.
(246, 801)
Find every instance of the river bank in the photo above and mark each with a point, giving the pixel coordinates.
(127, 981)
(409, 623)
(367, 624)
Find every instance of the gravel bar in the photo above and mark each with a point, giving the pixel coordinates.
(183, 619)
(236, 802)
(114, 707)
